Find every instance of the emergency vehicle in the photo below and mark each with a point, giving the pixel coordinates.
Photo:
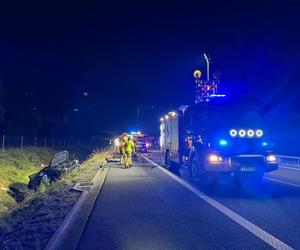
(217, 135)
(142, 141)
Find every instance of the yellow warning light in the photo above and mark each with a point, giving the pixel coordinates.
(197, 74)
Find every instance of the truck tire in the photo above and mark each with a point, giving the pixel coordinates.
(194, 168)
(168, 160)
(207, 181)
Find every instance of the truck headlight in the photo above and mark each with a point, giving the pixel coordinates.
(259, 133)
(250, 133)
(271, 158)
(233, 132)
(214, 158)
(242, 133)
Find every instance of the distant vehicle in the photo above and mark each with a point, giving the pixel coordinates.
(217, 137)
(141, 143)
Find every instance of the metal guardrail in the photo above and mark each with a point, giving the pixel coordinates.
(286, 160)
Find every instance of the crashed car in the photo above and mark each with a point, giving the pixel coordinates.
(59, 165)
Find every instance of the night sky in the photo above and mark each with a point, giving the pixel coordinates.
(142, 54)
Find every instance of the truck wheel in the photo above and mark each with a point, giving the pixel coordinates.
(194, 168)
(168, 160)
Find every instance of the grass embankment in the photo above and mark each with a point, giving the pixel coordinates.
(31, 225)
(15, 168)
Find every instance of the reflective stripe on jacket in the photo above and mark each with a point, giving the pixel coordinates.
(129, 146)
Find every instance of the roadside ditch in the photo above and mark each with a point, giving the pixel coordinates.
(32, 224)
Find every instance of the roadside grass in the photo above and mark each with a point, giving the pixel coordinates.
(15, 168)
(31, 224)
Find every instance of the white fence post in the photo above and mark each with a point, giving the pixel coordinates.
(22, 141)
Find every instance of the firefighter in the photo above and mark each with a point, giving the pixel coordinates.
(129, 149)
(123, 151)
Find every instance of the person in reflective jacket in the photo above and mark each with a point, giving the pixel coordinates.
(129, 149)
(123, 151)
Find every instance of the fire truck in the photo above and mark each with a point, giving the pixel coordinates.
(217, 135)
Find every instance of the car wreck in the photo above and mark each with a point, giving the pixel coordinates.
(58, 166)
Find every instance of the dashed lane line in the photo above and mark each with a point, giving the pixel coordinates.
(252, 228)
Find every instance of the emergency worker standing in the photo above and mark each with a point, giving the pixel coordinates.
(123, 151)
(129, 149)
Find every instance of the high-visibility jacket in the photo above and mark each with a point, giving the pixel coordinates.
(129, 146)
(123, 145)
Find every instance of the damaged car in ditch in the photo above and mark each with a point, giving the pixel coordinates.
(58, 166)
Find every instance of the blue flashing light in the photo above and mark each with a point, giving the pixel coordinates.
(223, 142)
(217, 95)
(264, 144)
(135, 132)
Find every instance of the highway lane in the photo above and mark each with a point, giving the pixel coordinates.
(275, 206)
(286, 175)
(144, 208)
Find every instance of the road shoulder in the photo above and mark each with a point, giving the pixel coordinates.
(69, 233)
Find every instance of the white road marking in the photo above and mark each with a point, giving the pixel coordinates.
(252, 228)
(297, 169)
(287, 183)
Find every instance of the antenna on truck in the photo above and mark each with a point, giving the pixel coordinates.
(207, 66)
(205, 88)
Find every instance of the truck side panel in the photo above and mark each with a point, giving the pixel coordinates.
(162, 139)
(172, 138)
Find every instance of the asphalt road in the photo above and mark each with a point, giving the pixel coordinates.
(146, 208)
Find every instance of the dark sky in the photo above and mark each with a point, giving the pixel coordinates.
(129, 54)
